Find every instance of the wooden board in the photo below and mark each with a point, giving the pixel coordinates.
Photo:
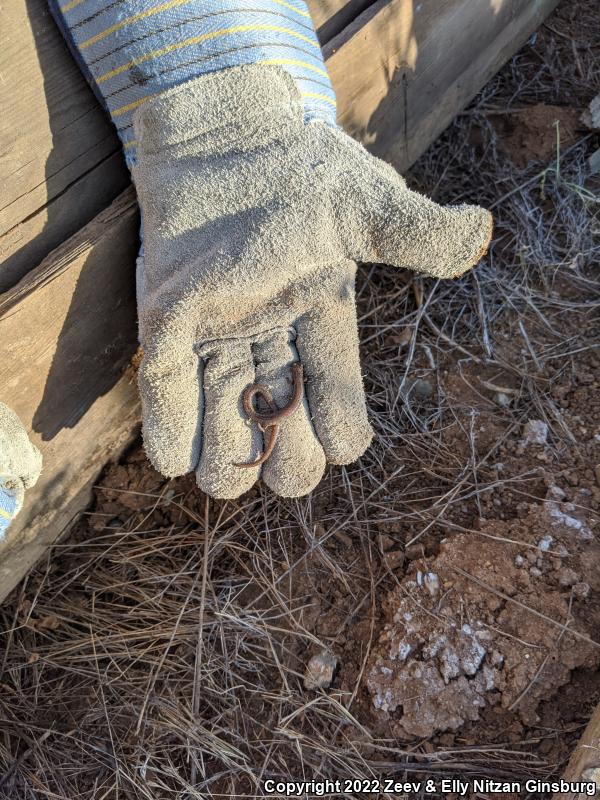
(65, 373)
(60, 158)
(402, 70)
(70, 322)
(330, 17)
(584, 764)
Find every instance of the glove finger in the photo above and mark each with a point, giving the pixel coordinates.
(170, 388)
(228, 438)
(328, 346)
(298, 461)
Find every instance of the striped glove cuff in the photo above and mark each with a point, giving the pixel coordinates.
(132, 50)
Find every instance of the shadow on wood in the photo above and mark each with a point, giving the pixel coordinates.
(403, 69)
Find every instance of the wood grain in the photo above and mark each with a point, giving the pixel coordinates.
(71, 329)
(584, 764)
(402, 69)
(60, 158)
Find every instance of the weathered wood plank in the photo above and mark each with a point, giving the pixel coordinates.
(403, 70)
(66, 346)
(330, 17)
(583, 764)
(26, 244)
(59, 155)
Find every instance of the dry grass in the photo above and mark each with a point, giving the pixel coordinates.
(160, 654)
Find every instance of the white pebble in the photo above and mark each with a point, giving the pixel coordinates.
(320, 670)
(535, 432)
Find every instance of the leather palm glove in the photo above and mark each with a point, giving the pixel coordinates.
(20, 466)
(254, 219)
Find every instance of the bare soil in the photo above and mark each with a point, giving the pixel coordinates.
(533, 133)
(449, 582)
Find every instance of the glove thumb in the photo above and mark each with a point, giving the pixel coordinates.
(403, 228)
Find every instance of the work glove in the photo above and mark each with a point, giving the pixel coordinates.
(20, 466)
(254, 219)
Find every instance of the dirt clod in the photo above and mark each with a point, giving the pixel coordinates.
(500, 636)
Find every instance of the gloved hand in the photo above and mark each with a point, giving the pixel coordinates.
(254, 219)
(20, 466)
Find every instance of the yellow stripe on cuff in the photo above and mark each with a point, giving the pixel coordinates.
(291, 8)
(295, 62)
(149, 12)
(318, 97)
(202, 38)
(130, 106)
(4, 514)
(69, 6)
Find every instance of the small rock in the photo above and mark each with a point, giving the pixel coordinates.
(394, 559)
(385, 542)
(556, 493)
(535, 432)
(432, 583)
(581, 590)
(545, 542)
(558, 517)
(497, 658)
(402, 338)
(567, 577)
(320, 670)
(502, 399)
(591, 774)
(591, 115)
(535, 572)
(414, 551)
(519, 561)
(420, 390)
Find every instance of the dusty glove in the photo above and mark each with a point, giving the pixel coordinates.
(20, 466)
(254, 219)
